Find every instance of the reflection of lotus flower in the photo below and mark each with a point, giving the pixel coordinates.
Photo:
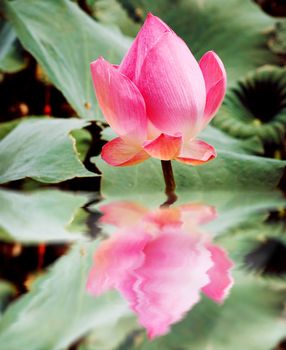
(160, 262)
(159, 98)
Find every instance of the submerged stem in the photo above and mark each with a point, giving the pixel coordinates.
(170, 183)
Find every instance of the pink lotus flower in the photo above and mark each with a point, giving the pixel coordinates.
(160, 261)
(159, 98)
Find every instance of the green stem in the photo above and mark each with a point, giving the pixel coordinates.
(170, 183)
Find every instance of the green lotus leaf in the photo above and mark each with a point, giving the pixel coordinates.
(42, 149)
(112, 13)
(256, 107)
(260, 246)
(7, 292)
(64, 40)
(277, 43)
(38, 216)
(12, 58)
(6, 127)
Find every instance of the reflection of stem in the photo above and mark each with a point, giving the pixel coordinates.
(170, 183)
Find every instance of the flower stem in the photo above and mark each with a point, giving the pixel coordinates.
(170, 183)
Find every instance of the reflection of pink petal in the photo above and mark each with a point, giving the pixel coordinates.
(115, 259)
(164, 217)
(122, 213)
(198, 213)
(168, 284)
(160, 262)
(219, 274)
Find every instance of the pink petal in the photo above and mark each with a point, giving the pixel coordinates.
(147, 37)
(115, 259)
(173, 87)
(164, 147)
(152, 132)
(121, 102)
(117, 152)
(215, 79)
(122, 213)
(220, 278)
(196, 152)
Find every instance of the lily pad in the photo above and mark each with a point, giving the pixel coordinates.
(112, 13)
(229, 171)
(278, 41)
(41, 149)
(11, 53)
(40, 216)
(6, 127)
(256, 107)
(260, 247)
(66, 48)
(7, 292)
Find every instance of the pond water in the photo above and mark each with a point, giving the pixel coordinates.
(81, 272)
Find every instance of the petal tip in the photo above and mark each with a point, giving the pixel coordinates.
(212, 67)
(98, 66)
(196, 153)
(118, 153)
(98, 60)
(152, 20)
